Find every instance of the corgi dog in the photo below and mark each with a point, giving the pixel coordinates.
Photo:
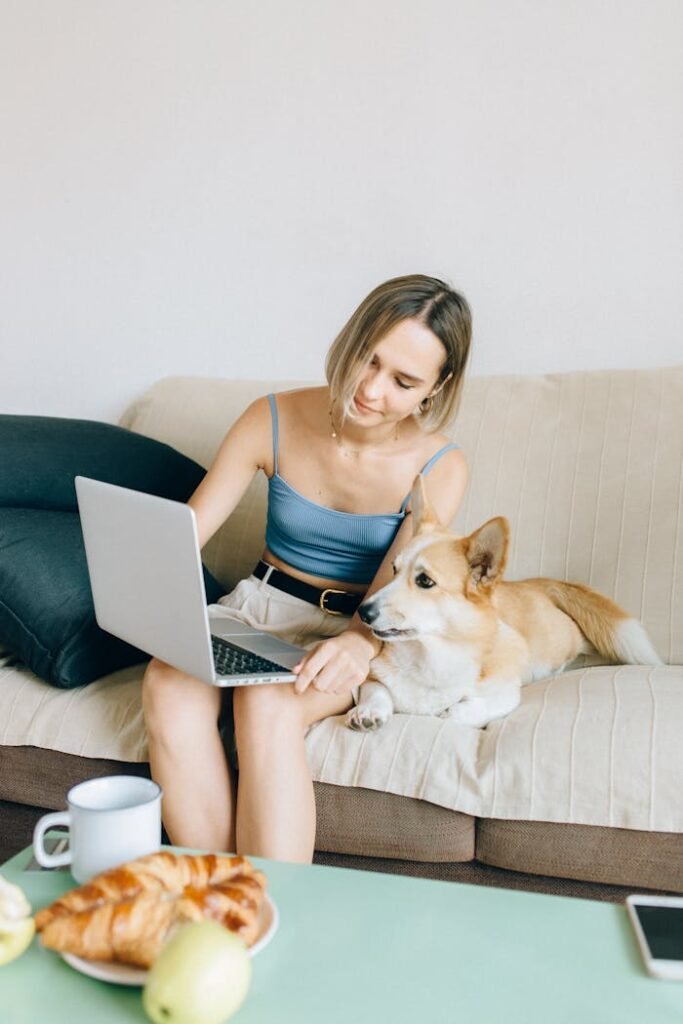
(459, 641)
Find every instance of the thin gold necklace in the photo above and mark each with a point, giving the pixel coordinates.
(336, 434)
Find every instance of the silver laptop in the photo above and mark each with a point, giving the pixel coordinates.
(148, 589)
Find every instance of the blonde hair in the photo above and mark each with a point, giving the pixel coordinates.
(431, 302)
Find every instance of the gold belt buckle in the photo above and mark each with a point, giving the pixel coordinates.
(321, 602)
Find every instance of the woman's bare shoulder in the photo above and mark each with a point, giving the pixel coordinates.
(308, 396)
(304, 406)
(427, 444)
(297, 400)
(446, 478)
(451, 462)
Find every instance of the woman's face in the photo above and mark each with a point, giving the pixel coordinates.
(403, 369)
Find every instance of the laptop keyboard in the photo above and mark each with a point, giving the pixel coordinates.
(235, 661)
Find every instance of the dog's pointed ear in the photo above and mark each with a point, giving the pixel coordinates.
(424, 516)
(486, 551)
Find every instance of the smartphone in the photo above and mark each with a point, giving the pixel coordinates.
(658, 924)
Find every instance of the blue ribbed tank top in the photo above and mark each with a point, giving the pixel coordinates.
(322, 541)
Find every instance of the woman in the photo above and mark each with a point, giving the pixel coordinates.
(341, 461)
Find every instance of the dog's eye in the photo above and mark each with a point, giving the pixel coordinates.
(394, 568)
(424, 581)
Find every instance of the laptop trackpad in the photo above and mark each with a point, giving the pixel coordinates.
(263, 644)
(288, 657)
(275, 650)
(223, 625)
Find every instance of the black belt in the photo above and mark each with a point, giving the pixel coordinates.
(334, 602)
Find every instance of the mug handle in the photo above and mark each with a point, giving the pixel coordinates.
(45, 859)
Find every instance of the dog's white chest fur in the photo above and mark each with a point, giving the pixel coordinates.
(426, 679)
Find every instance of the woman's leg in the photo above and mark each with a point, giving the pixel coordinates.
(275, 802)
(187, 758)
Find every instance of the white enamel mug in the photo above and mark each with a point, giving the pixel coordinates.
(110, 820)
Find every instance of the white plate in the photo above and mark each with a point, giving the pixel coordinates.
(123, 974)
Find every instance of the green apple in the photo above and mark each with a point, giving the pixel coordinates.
(17, 927)
(201, 976)
(15, 938)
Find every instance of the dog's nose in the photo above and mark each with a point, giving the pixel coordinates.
(368, 612)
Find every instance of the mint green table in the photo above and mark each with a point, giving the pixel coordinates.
(356, 946)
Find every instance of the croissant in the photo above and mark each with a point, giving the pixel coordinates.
(131, 931)
(235, 904)
(157, 872)
(100, 922)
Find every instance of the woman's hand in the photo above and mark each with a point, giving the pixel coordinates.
(336, 665)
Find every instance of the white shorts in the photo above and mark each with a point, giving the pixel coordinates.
(298, 622)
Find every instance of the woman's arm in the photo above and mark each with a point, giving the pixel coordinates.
(342, 663)
(245, 449)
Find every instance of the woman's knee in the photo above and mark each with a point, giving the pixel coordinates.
(158, 686)
(265, 708)
(172, 701)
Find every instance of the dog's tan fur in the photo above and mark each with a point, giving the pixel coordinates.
(461, 641)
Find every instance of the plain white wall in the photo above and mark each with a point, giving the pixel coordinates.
(211, 187)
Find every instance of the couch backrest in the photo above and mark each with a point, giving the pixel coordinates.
(586, 466)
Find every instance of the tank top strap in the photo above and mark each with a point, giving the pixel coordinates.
(276, 431)
(437, 455)
(428, 465)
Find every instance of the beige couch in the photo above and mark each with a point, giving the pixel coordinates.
(585, 779)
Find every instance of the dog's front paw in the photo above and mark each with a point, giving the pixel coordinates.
(474, 712)
(365, 718)
(457, 712)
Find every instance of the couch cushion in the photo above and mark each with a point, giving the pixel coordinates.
(363, 822)
(46, 611)
(358, 821)
(598, 746)
(618, 856)
(102, 720)
(42, 778)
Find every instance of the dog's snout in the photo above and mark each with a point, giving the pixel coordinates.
(368, 612)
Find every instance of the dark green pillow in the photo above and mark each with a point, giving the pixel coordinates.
(46, 611)
(41, 455)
